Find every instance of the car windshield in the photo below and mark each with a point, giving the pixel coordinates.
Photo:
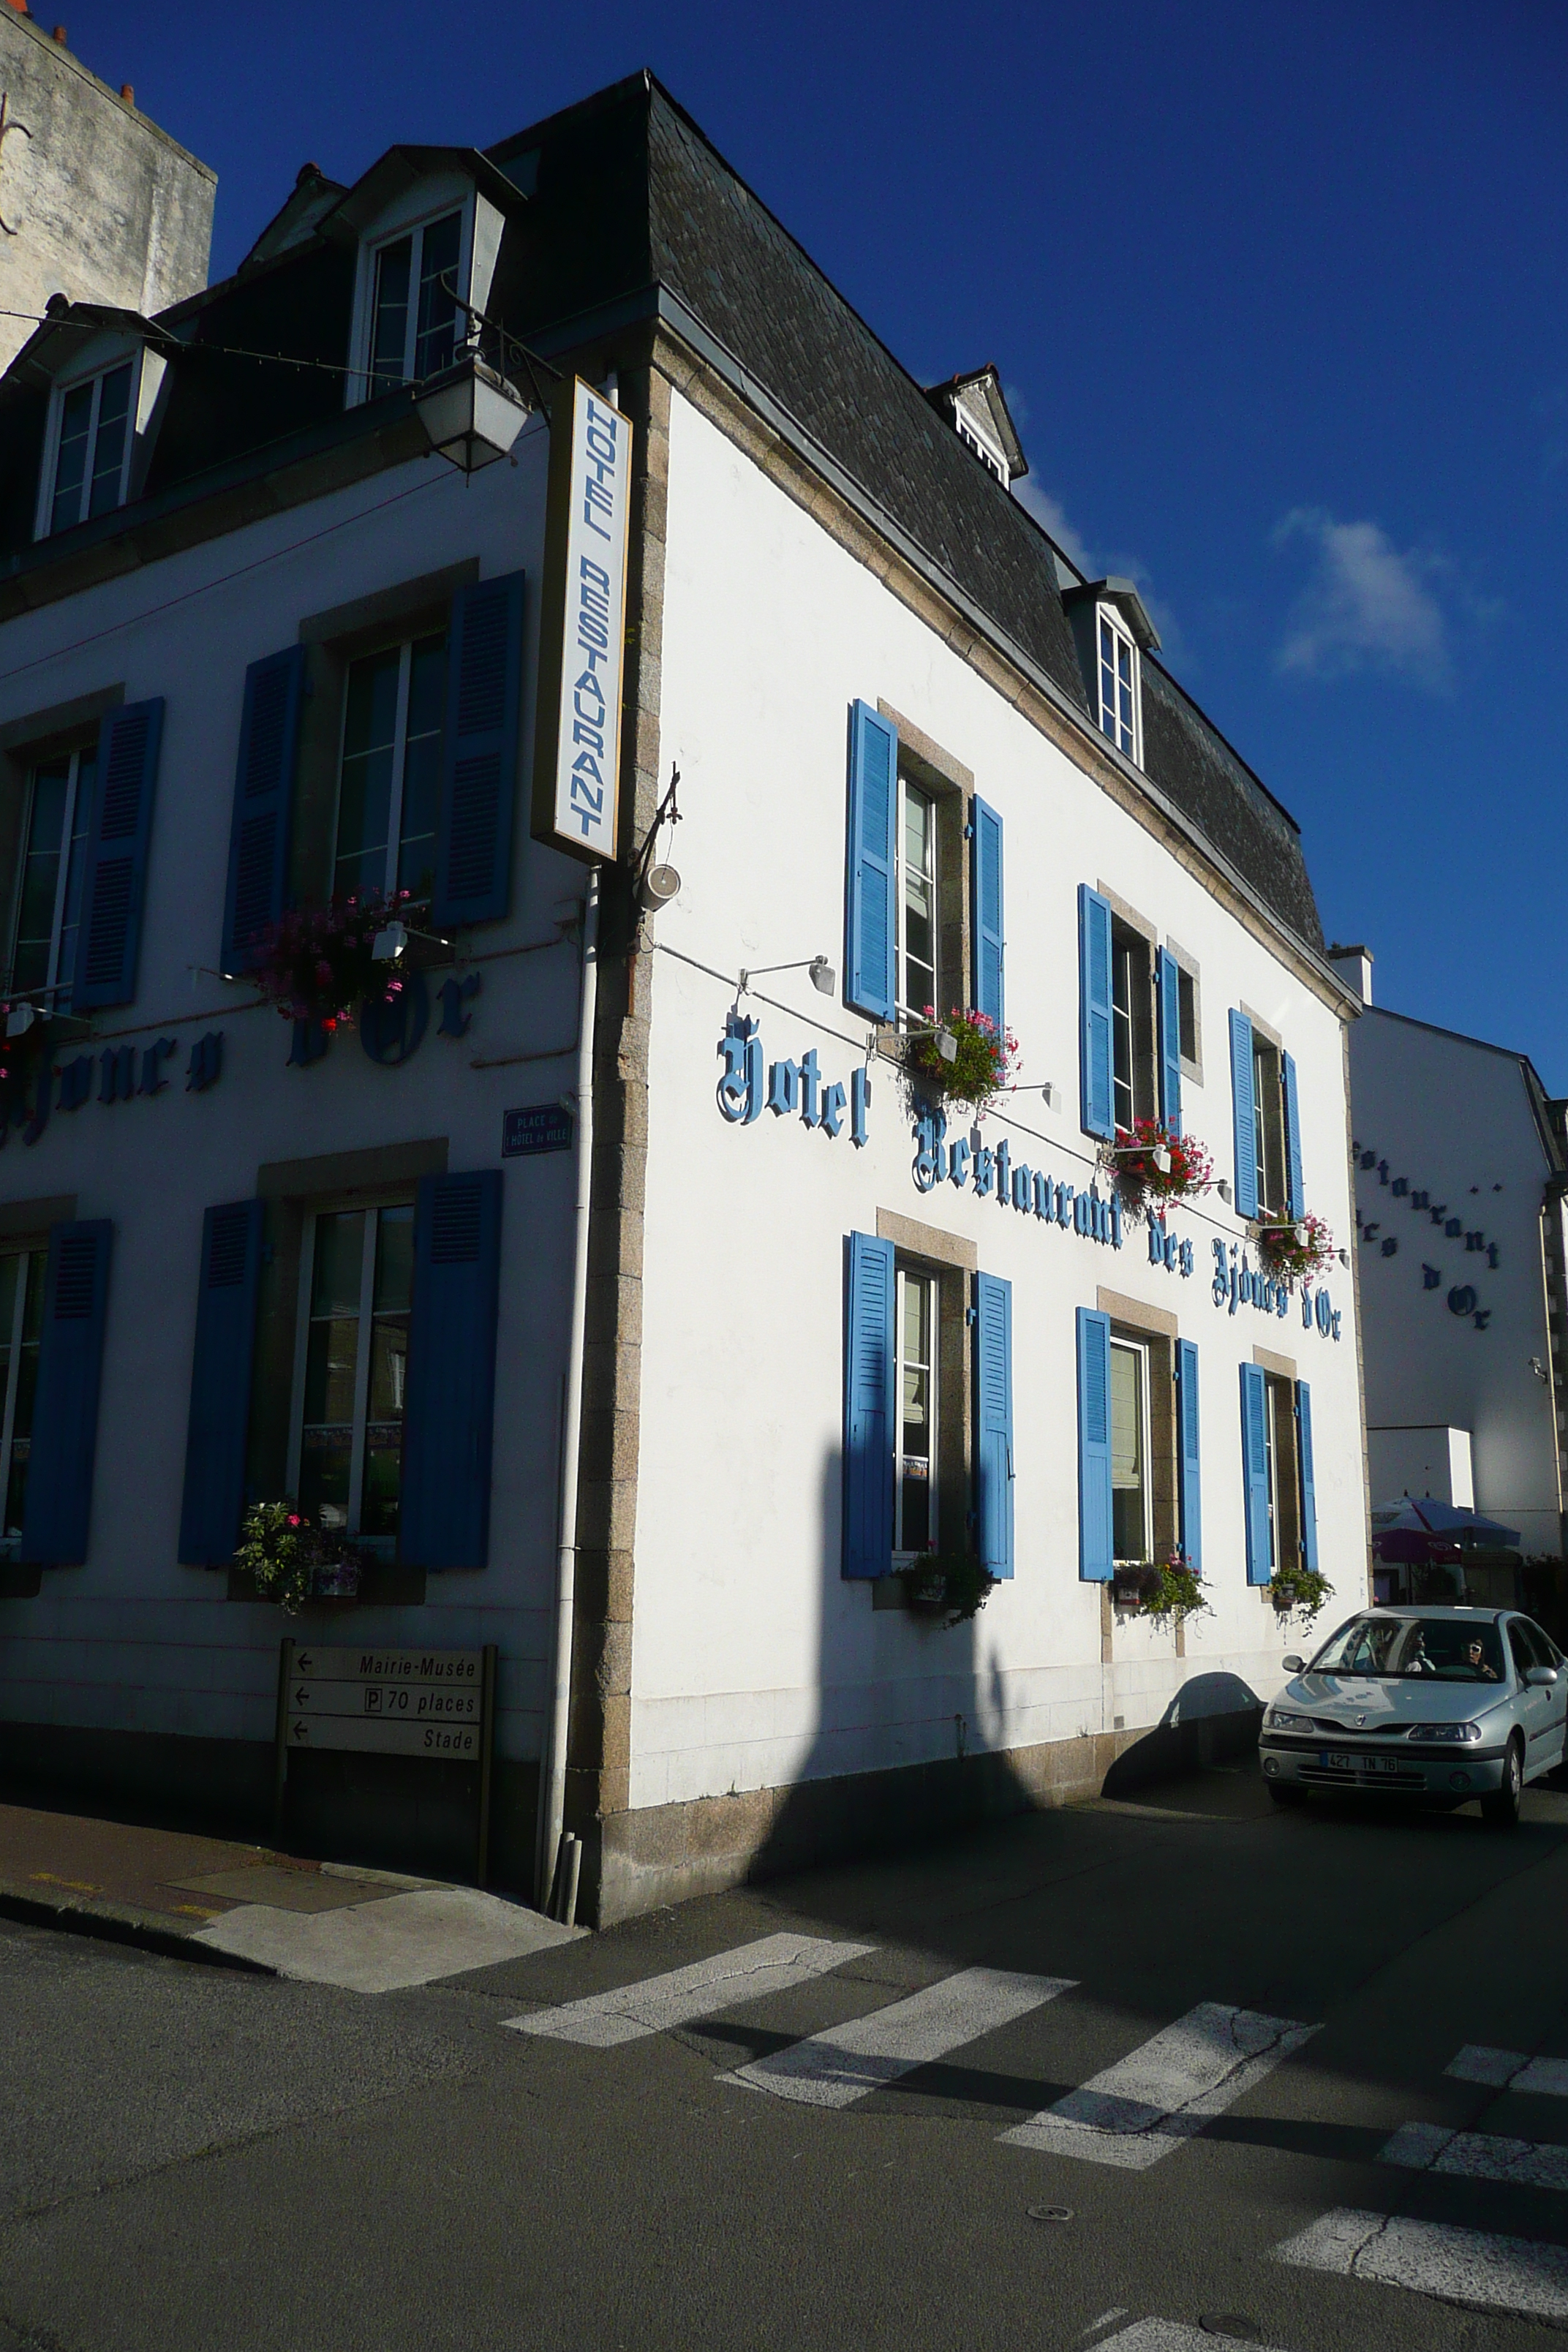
(1440, 1649)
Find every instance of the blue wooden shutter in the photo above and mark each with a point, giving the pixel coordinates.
(65, 1405)
(870, 1407)
(263, 820)
(994, 1423)
(445, 1512)
(1096, 1556)
(219, 1424)
(1168, 988)
(1308, 1485)
(986, 872)
(870, 920)
(1094, 1013)
(1187, 1454)
(1254, 1471)
(1244, 1115)
(1295, 1198)
(115, 881)
(479, 779)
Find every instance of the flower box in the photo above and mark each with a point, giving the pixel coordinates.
(954, 1586)
(982, 1066)
(1293, 1249)
(1153, 1167)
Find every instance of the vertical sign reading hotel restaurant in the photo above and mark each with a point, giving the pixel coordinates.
(576, 753)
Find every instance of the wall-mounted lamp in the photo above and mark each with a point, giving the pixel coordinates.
(388, 944)
(471, 415)
(1048, 1092)
(20, 1019)
(824, 979)
(1222, 1189)
(658, 886)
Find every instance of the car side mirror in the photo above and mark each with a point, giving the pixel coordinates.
(1541, 1677)
(1294, 1665)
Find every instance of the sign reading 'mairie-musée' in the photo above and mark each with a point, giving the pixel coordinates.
(582, 655)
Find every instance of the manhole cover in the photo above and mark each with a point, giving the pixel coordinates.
(1049, 2213)
(1234, 2324)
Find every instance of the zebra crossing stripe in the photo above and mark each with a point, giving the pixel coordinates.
(1165, 2091)
(1477, 2155)
(1169, 2335)
(1510, 2069)
(654, 2004)
(836, 2068)
(1519, 2275)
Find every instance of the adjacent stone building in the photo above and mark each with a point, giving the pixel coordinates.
(95, 201)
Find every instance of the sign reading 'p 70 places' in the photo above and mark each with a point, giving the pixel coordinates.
(582, 630)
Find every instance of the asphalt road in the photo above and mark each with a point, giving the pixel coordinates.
(195, 2158)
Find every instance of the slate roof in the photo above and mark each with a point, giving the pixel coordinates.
(607, 204)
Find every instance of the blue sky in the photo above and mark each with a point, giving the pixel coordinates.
(1277, 294)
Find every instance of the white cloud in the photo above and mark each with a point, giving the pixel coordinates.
(1365, 607)
(1047, 512)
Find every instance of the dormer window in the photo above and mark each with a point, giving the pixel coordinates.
(414, 326)
(429, 238)
(91, 447)
(989, 457)
(1118, 685)
(1112, 633)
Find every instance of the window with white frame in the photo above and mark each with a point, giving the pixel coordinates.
(414, 314)
(1284, 1472)
(351, 1369)
(1118, 716)
(60, 796)
(915, 1478)
(1268, 1128)
(1130, 1490)
(91, 447)
(987, 456)
(389, 785)
(1133, 1077)
(21, 1325)
(917, 902)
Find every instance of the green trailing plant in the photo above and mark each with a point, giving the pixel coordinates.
(1300, 1588)
(983, 1067)
(954, 1586)
(289, 1560)
(1167, 1591)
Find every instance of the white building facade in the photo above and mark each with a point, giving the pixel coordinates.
(826, 1327)
(1460, 1177)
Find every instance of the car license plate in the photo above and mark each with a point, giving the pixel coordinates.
(1333, 1760)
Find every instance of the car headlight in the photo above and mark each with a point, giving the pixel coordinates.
(1465, 1732)
(1277, 1719)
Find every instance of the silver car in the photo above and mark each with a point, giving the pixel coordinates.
(1439, 1703)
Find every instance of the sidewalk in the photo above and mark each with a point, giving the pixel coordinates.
(208, 1899)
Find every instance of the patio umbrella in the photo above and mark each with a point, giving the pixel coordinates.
(1430, 1530)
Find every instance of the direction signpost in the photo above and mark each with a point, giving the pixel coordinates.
(437, 1704)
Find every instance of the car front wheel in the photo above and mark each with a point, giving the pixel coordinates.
(1500, 1807)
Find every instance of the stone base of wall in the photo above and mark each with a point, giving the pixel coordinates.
(667, 1853)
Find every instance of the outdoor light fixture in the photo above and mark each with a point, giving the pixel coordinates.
(824, 979)
(389, 944)
(470, 414)
(1223, 1188)
(658, 886)
(20, 1019)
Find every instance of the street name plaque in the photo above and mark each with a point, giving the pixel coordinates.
(434, 1703)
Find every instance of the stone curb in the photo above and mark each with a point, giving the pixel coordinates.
(118, 1923)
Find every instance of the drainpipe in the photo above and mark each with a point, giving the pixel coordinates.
(553, 1776)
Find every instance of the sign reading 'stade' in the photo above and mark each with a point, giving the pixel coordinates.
(576, 753)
